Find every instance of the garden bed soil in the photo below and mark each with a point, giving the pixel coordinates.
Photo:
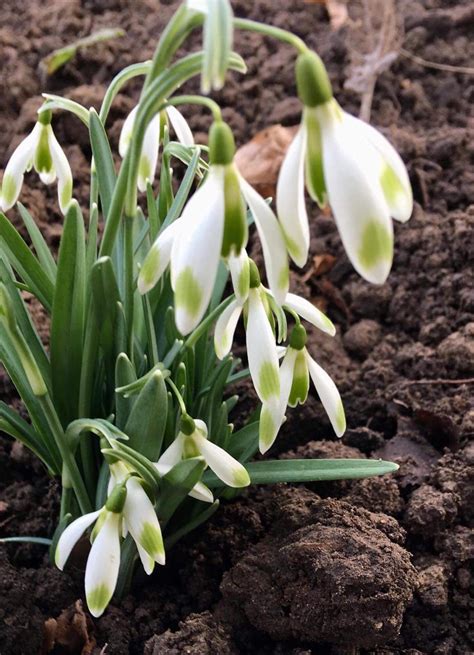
(381, 565)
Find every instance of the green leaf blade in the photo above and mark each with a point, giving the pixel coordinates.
(309, 470)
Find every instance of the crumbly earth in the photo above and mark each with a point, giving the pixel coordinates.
(403, 360)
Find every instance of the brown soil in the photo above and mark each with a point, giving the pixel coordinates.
(327, 567)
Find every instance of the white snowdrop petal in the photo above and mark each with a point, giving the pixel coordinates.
(71, 536)
(272, 240)
(126, 132)
(351, 169)
(225, 329)
(271, 419)
(310, 313)
(201, 492)
(394, 176)
(227, 469)
(62, 171)
(180, 126)
(261, 350)
(103, 565)
(142, 522)
(172, 455)
(158, 257)
(287, 369)
(329, 395)
(149, 153)
(240, 273)
(195, 255)
(148, 562)
(15, 169)
(291, 208)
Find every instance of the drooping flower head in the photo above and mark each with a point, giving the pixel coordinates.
(347, 164)
(214, 226)
(295, 371)
(217, 41)
(39, 150)
(151, 142)
(193, 441)
(128, 510)
(262, 350)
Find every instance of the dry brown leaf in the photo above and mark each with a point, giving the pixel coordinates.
(337, 12)
(323, 264)
(70, 631)
(260, 159)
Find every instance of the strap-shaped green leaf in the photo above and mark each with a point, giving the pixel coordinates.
(309, 470)
(104, 163)
(43, 252)
(176, 485)
(125, 374)
(105, 299)
(25, 324)
(32, 403)
(11, 423)
(147, 421)
(25, 263)
(244, 443)
(67, 322)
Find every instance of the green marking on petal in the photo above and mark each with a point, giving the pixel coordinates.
(149, 268)
(144, 170)
(235, 235)
(327, 322)
(340, 418)
(240, 477)
(266, 429)
(284, 277)
(151, 540)
(292, 246)
(244, 281)
(188, 292)
(98, 599)
(300, 384)
(269, 382)
(9, 189)
(66, 194)
(376, 245)
(190, 448)
(314, 159)
(391, 185)
(43, 159)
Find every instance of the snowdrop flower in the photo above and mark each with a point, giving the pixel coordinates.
(104, 558)
(139, 517)
(214, 225)
(217, 40)
(151, 142)
(192, 441)
(348, 164)
(42, 151)
(296, 369)
(166, 463)
(262, 350)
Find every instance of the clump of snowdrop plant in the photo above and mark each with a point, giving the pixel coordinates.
(131, 404)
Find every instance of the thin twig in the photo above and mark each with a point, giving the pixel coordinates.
(439, 381)
(466, 70)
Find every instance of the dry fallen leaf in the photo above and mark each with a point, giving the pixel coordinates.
(337, 12)
(70, 631)
(260, 159)
(323, 264)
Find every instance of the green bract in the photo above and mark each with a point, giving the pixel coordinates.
(132, 402)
